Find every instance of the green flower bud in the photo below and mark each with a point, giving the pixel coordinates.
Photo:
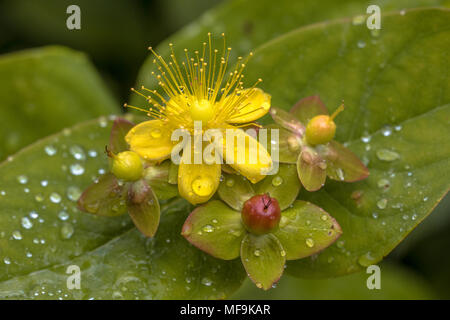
(127, 166)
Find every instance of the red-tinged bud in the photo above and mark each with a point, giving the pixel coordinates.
(261, 214)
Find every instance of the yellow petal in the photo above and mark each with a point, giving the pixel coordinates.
(151, 140)
(254, 105)
(197, 183)
(246, 155)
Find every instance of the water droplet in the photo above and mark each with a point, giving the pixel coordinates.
(387, 155)
(277, 181)
(361, 44)
(26, 223)
(230, 182)
(73, 193)
(309, 242)
(366, 259)
(386, 131)
(206, 281)
(29, 254)
(102, 122)
(405, 217)
(63, 215)
(383, 184)
(324, 217)
(203, 186)
(55, 197)
(257, 253)
(39, 198)
(44, 183)
(34, 215)
(381, 204)
(77, 152)
(17, 235)
(67, 231)
(366, 138)
(340, 174)
(284, 221)
(76, 169)
(156, 133)
(208, 228)
(283, 253)
(398, 128)
(375, 215)
(50, 150)
(6, 260)
(22, 179)
(425, 199)
(414, 217)
(92, 153)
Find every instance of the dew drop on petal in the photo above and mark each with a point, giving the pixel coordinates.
(202, 186)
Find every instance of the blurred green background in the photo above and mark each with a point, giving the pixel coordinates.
(116, 34)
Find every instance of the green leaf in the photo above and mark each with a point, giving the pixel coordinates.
(306, 229)
(398, 283)
(215, 229)
(249, 24)
(263, 258)
(284, 186)
(234, 190)
(42, 232)
(143, 207)
(104, 197)
(45, 90)
(384, 115)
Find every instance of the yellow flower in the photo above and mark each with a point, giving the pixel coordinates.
(201, 90)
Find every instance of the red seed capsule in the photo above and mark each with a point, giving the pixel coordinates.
(261, 214)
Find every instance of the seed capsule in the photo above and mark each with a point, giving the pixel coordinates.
(261, 214)
(321, 128)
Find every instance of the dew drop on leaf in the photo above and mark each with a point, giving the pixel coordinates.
(22, 179)
(387, 155)
(381, 204)
(50, 150)
(26, 223)
(55, 197)
(17, 235)
(277, 181)
(76, 169)
(309, 242)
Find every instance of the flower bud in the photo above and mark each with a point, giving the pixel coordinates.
(127, 166)
(321, 128)
(261, 214)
